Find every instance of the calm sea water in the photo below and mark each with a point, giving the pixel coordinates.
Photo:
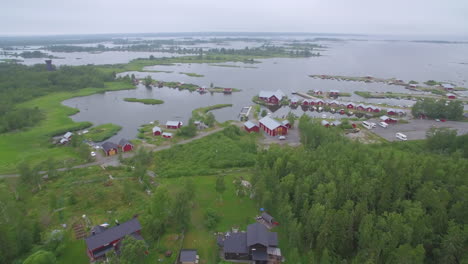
(386, 59)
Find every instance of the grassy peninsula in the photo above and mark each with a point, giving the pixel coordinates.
(147, 101)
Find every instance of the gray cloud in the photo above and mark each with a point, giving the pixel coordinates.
(339, 16)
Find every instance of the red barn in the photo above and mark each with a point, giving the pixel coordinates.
(271, 97)
(388, 120)
(451, 96)
(167, 135)
(125, 145)
(110, 148)
(361, 107)
(273, 127)
(173, 124)
(350, 105)
(334, 93)
(103, 240)
(157, 131)
(251, 127)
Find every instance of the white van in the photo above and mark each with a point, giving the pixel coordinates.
(401, 136)
(367, 125)
(383, 124)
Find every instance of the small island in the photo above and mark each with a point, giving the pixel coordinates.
(147, 101)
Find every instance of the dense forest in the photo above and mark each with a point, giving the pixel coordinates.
(20, 83)
(340, 201)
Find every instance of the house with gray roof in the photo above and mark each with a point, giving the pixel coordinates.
(273, 127)
(271, 97)
(103, 240)
(253, 245)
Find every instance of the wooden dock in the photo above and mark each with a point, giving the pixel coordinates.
(304, 95)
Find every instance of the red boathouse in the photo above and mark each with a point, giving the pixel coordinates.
(273, 127)
(251, 127)
(125, 145)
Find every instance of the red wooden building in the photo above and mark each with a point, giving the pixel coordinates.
(157, 131)
(451, 96)
(167, 135)
(325, 123)
(391, 112)
(350, 105)
(103, 240)
(173, 124)
(388, 120)
(286, 123)
(271, 97)
(110, 148)
(334, 93)
(227, 90)
(125, 145)
(273, 127)
(251, 127)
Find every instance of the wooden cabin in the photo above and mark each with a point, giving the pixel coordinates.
(125, 145)
(110, 148)
(157, 131)
(173, 124)
(251, 127)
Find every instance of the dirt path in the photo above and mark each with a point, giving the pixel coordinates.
(126, 155)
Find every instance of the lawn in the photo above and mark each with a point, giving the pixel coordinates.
(234, 211)
(34, 144)
(102, 132)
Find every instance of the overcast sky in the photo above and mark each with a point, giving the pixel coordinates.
(20, 17)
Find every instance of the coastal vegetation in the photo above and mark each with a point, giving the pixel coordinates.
(102, 132)
(148, 101)
(432, 108)
(26, 91)
(191, 74)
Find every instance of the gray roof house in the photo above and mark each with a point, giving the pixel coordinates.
(103, 240)
(252, 245)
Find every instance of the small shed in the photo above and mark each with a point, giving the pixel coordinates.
(391, 112)
(227, 90)
(334, 92)
(157, 131)
(268, 218)
(68, 135)
(173, 124)
(251, 127)
(451, 96)
(447, 86)
(188, 256)
(125, 145)
(167, 135)
(110, 148)
(325, 123)
(350, 105)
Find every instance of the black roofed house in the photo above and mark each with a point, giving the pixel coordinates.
(188, 256)
(255, 245)
(103, 240)
(110, 148)
(125, 145)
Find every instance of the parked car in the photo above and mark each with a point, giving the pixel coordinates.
(281, 137)
(93, 154)
(383, 124)
(401, 136)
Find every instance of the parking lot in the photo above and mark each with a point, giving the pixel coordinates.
(416, 129)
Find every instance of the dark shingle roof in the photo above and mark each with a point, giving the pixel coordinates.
(257, 234)
(109, 145)
(272, 239)
(124, 142)
(236, 243)
(112, 234)
(188, 255)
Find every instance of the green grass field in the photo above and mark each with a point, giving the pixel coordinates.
(34, 144)
(102, 132)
